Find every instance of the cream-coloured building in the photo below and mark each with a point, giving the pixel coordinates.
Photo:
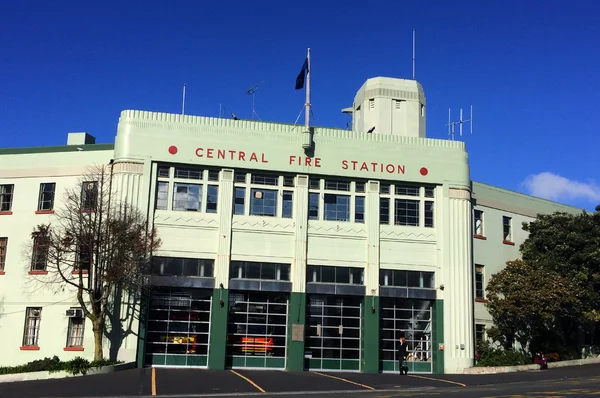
(276, 255)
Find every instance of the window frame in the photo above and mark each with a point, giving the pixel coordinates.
(42, 199)
(71, 328)
(481, 231)
(32, 339)
(87, 203)
(398, 201)
(479, 285)
(3, 252)
(507, 237)
(40, 243)
(6, 191)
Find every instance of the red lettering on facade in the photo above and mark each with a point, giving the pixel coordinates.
(221, 154)
(209, 153)
(389, 168)
(263, 159)
(199, 152)
(317, 162)
(253, 157)
(242, 155)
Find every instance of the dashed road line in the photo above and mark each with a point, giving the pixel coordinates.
(346, 380)
(259, 388)
(442, 380)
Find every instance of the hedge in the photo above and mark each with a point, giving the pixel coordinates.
(75, 366)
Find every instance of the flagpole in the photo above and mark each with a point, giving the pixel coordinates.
(307, 105)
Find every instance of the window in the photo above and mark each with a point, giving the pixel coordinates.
(213, 175)
(288, 208)
(240, 196)
(264, 179)
(188, 173)
(163, 172)
(335, 185)
(384, 210)
(406, 212)
(359, 209)
(46, 199)
(176, 266)
(402, 278)
(329, 274)
(187, 197)
(337, 207)
(406, 190)
(39, 260)
(3, 246)
(360, 187)
(479, 290)
(429, 192)
(162, 195)
(429, 213)
(259, 270)
(478, 219)
(6, 197)
(84, 257)
(507, 226)
(31, 334)
(313, 206)
(212, 195)
(240, 177)
(76, 327)
(479, 332)
(288, 181)
(89, 195)
(263, 202)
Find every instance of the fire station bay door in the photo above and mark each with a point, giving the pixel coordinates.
(257, 330)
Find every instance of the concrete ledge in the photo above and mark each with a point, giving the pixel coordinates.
(521, 368)
(62, 374)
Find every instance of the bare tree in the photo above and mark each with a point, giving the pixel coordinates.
(94, 244)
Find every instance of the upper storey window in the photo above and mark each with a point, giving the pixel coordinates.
(336, 200)
(191, 189)
(263, 194)
(407, 204)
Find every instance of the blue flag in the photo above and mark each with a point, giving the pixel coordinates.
(301, 75)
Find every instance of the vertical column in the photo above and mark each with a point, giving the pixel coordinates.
(458, 306)
(370, 335)
(438, 336)
(225, 211)
(217, 350)
(297, 303)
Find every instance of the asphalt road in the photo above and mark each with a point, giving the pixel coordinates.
(572, 381)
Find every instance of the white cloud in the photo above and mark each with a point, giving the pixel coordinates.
(554, 187)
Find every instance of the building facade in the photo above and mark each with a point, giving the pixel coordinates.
(283, 248)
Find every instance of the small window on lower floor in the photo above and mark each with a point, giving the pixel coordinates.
(479, 332)
(75, 328)
(31, 334)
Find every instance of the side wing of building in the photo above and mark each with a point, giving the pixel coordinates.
(498, 216)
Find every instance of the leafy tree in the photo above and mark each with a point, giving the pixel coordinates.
(569, 244)
(94, 244)
(528, 301)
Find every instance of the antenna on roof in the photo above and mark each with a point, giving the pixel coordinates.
(413, 55)
(183, 101)
(252, 91)
(460, 122)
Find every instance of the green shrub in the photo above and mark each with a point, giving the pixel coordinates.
(75, 366)
(488, 355)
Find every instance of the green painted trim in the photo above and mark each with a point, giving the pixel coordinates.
(295, 349)
(438, 336)
(370, 335)
(141, 346)
(58, 148)
(218, 330)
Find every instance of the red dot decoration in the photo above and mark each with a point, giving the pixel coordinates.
(424, 171)
(172, 149)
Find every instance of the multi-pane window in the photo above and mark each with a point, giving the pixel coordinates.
(406, 204)
(478, 221)
(39, 258)
(162, 195)
(84, 257)
(402, 278)
(75, 328)
(176, 266)
(479, 289)
(3, 247)
(31, 332)
(6, 197)
(89, 195)
(46, 197)
(263, 194)
(507, 228)
(259, 270)
(199, 195)
(328, 274)
(479, 332)
(337, 206)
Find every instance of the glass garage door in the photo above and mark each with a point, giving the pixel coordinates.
(178, 328)
(333, 332)
(257, 330)
(411, 318)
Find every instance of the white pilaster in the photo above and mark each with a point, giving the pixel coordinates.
(225, 211)
(298, 268)
(373, 228)
(458, 302)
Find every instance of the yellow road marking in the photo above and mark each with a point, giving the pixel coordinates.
(347, 381)
(248, 380)
(442, 380)
(153, 381)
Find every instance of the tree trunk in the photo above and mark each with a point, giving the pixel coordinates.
(98, 331)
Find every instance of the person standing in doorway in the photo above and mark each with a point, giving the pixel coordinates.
(402, 354)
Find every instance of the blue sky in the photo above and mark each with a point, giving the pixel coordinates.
(530, 70)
